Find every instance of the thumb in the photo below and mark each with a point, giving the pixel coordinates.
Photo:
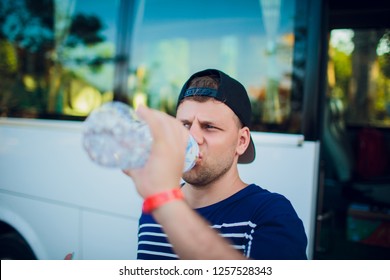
(147, 115)
(156, 120)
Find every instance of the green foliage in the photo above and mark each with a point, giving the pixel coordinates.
(8, 59)
(343, 69)
(384, 60)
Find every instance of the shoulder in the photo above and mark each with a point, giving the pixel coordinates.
(279, 232)
(259, 198)
(252, 203)
(269, 209)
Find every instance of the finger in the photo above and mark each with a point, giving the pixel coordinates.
(154, 119)
(166, 130)
(159, 122)
(127, 172)
(69, 256)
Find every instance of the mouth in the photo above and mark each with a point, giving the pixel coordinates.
(199, 158)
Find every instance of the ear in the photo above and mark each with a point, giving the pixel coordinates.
(243, 140)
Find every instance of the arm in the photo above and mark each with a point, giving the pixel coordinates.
(162, 172)
(190, 235)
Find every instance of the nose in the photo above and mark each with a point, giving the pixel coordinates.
(196, 132)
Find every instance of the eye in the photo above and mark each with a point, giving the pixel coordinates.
(209, 127)
(187, 125)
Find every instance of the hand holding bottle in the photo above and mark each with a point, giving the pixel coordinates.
(165, 164)
(114, 136)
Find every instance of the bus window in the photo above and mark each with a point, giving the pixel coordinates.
(355, 141)
(359, 69)
(56, 57)
(251, 40)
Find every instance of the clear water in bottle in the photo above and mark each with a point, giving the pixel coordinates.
(113, 136)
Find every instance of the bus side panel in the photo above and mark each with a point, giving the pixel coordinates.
(64, 176)
(120, 243)
(287, 165)
(50, 230)
(42, 163)
(45, 159)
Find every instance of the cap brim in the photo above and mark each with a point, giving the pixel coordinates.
(249, 155)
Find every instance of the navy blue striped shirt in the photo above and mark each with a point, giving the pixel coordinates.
(260, 224)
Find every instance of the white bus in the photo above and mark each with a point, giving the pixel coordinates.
(60, 59)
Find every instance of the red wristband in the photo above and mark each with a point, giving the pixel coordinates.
(154, 201)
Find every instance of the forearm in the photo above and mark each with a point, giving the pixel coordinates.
(190, 235)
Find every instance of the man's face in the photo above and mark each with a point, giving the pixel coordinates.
(217, 131)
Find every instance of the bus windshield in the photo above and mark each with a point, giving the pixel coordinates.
(60, 63)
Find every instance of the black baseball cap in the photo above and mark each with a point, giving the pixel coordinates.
(230, 92)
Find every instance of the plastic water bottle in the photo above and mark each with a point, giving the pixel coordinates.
(113, 136)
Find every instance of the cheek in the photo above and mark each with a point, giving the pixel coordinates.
(223, 146)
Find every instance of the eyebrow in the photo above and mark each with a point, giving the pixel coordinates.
(200, 121)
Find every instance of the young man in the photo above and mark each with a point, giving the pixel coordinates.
(214, 214)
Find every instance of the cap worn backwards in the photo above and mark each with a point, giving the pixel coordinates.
(230, 92)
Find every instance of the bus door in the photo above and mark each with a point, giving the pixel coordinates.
(355, 153)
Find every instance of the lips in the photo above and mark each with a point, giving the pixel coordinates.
(199, 158)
